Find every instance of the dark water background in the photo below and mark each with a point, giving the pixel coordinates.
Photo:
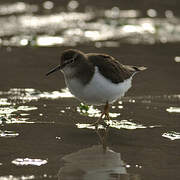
(45, 134)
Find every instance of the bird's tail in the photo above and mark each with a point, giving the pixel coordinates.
(134, 69)
(142, 68)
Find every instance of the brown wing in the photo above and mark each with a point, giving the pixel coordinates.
(110, 68)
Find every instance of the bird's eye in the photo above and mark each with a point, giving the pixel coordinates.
(71, 60)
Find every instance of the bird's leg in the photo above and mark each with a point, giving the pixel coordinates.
(105, 112)
(104, 132)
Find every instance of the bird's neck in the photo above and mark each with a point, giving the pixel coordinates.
(83, 72)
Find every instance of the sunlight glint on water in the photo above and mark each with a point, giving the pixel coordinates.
(8, 134)
(13, 101)
(13, 110)
(29, 161)
(27, 94)
(172, 135)
(173, 109)
(103, 27)
(11, 177)
(18, 7)
(123, 124)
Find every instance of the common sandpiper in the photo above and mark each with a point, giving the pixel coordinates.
(96, 79)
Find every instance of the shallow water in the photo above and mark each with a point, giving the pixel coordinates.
(37, 132)
(45, 133)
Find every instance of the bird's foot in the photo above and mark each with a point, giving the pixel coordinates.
(100, 122)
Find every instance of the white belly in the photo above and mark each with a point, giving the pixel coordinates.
(99, 90)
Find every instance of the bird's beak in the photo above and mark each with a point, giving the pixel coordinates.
(57, 68)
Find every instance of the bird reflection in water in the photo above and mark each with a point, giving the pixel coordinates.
(103, 135)
(96, 162)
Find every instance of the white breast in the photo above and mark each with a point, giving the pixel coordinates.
(99, 90)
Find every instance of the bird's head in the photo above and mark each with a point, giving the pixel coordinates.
(69, 61)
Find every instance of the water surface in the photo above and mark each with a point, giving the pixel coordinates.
(45, 133)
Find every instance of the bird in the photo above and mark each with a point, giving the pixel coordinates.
(95, 78)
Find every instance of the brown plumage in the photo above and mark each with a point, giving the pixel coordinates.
(117, 72)
(85, 65)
